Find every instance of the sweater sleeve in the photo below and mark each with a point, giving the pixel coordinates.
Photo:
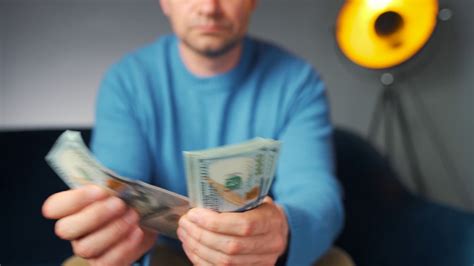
(117, 140)
(305, 184)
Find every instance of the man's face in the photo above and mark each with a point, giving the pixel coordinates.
(209, 27)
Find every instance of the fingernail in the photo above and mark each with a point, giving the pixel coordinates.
(137, 234)
(193, 216)
(183, 224)
(180, 232)
(130, 217)
(94, 192)
(114, 203)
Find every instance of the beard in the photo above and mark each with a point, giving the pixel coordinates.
(213, 52)
(218, 44)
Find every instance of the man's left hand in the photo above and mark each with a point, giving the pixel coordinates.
(255, 237)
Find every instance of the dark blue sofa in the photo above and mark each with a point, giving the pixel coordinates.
(385, 224)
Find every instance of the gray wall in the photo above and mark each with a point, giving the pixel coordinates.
(2, 86)
(53, 54)
(57, 51)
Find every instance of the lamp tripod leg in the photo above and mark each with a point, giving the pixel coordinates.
(443, 153)
(383, 115)
(376, 117)
(408, 144)
(389, 111)
(390, 114)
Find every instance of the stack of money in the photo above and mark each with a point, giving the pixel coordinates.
(231, 178)
(159, 209)
(228, 178)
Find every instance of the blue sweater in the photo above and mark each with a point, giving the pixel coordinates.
(150, 108)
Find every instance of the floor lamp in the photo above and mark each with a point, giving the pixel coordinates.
(382, 35)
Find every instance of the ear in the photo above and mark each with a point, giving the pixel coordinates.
(165, 7)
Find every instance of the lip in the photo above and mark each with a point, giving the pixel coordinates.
(210, 28)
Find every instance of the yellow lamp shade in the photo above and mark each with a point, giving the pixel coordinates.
(380, 34)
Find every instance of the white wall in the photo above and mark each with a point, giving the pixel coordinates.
(55, 52)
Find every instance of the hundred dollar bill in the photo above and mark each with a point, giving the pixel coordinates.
(159, 209)
(231, 178)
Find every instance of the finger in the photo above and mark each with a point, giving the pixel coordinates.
(71, 201)
(267, 199)
(101, 240)
(232, 245)
(90, 218)
(194, 258)
(247, 223)
(128, 250)
(196, 249)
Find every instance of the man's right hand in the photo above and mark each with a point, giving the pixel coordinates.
(101, 228)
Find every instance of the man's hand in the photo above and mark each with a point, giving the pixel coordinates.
(255, 237)
(101, 228)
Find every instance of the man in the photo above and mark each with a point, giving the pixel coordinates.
(209, 85)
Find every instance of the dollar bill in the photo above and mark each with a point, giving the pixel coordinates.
(231, 178)
(159, 209)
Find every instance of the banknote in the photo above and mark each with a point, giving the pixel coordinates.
(159, 209)
(228, 178)
(231, 178)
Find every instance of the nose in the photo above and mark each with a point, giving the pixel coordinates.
(210, 7)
